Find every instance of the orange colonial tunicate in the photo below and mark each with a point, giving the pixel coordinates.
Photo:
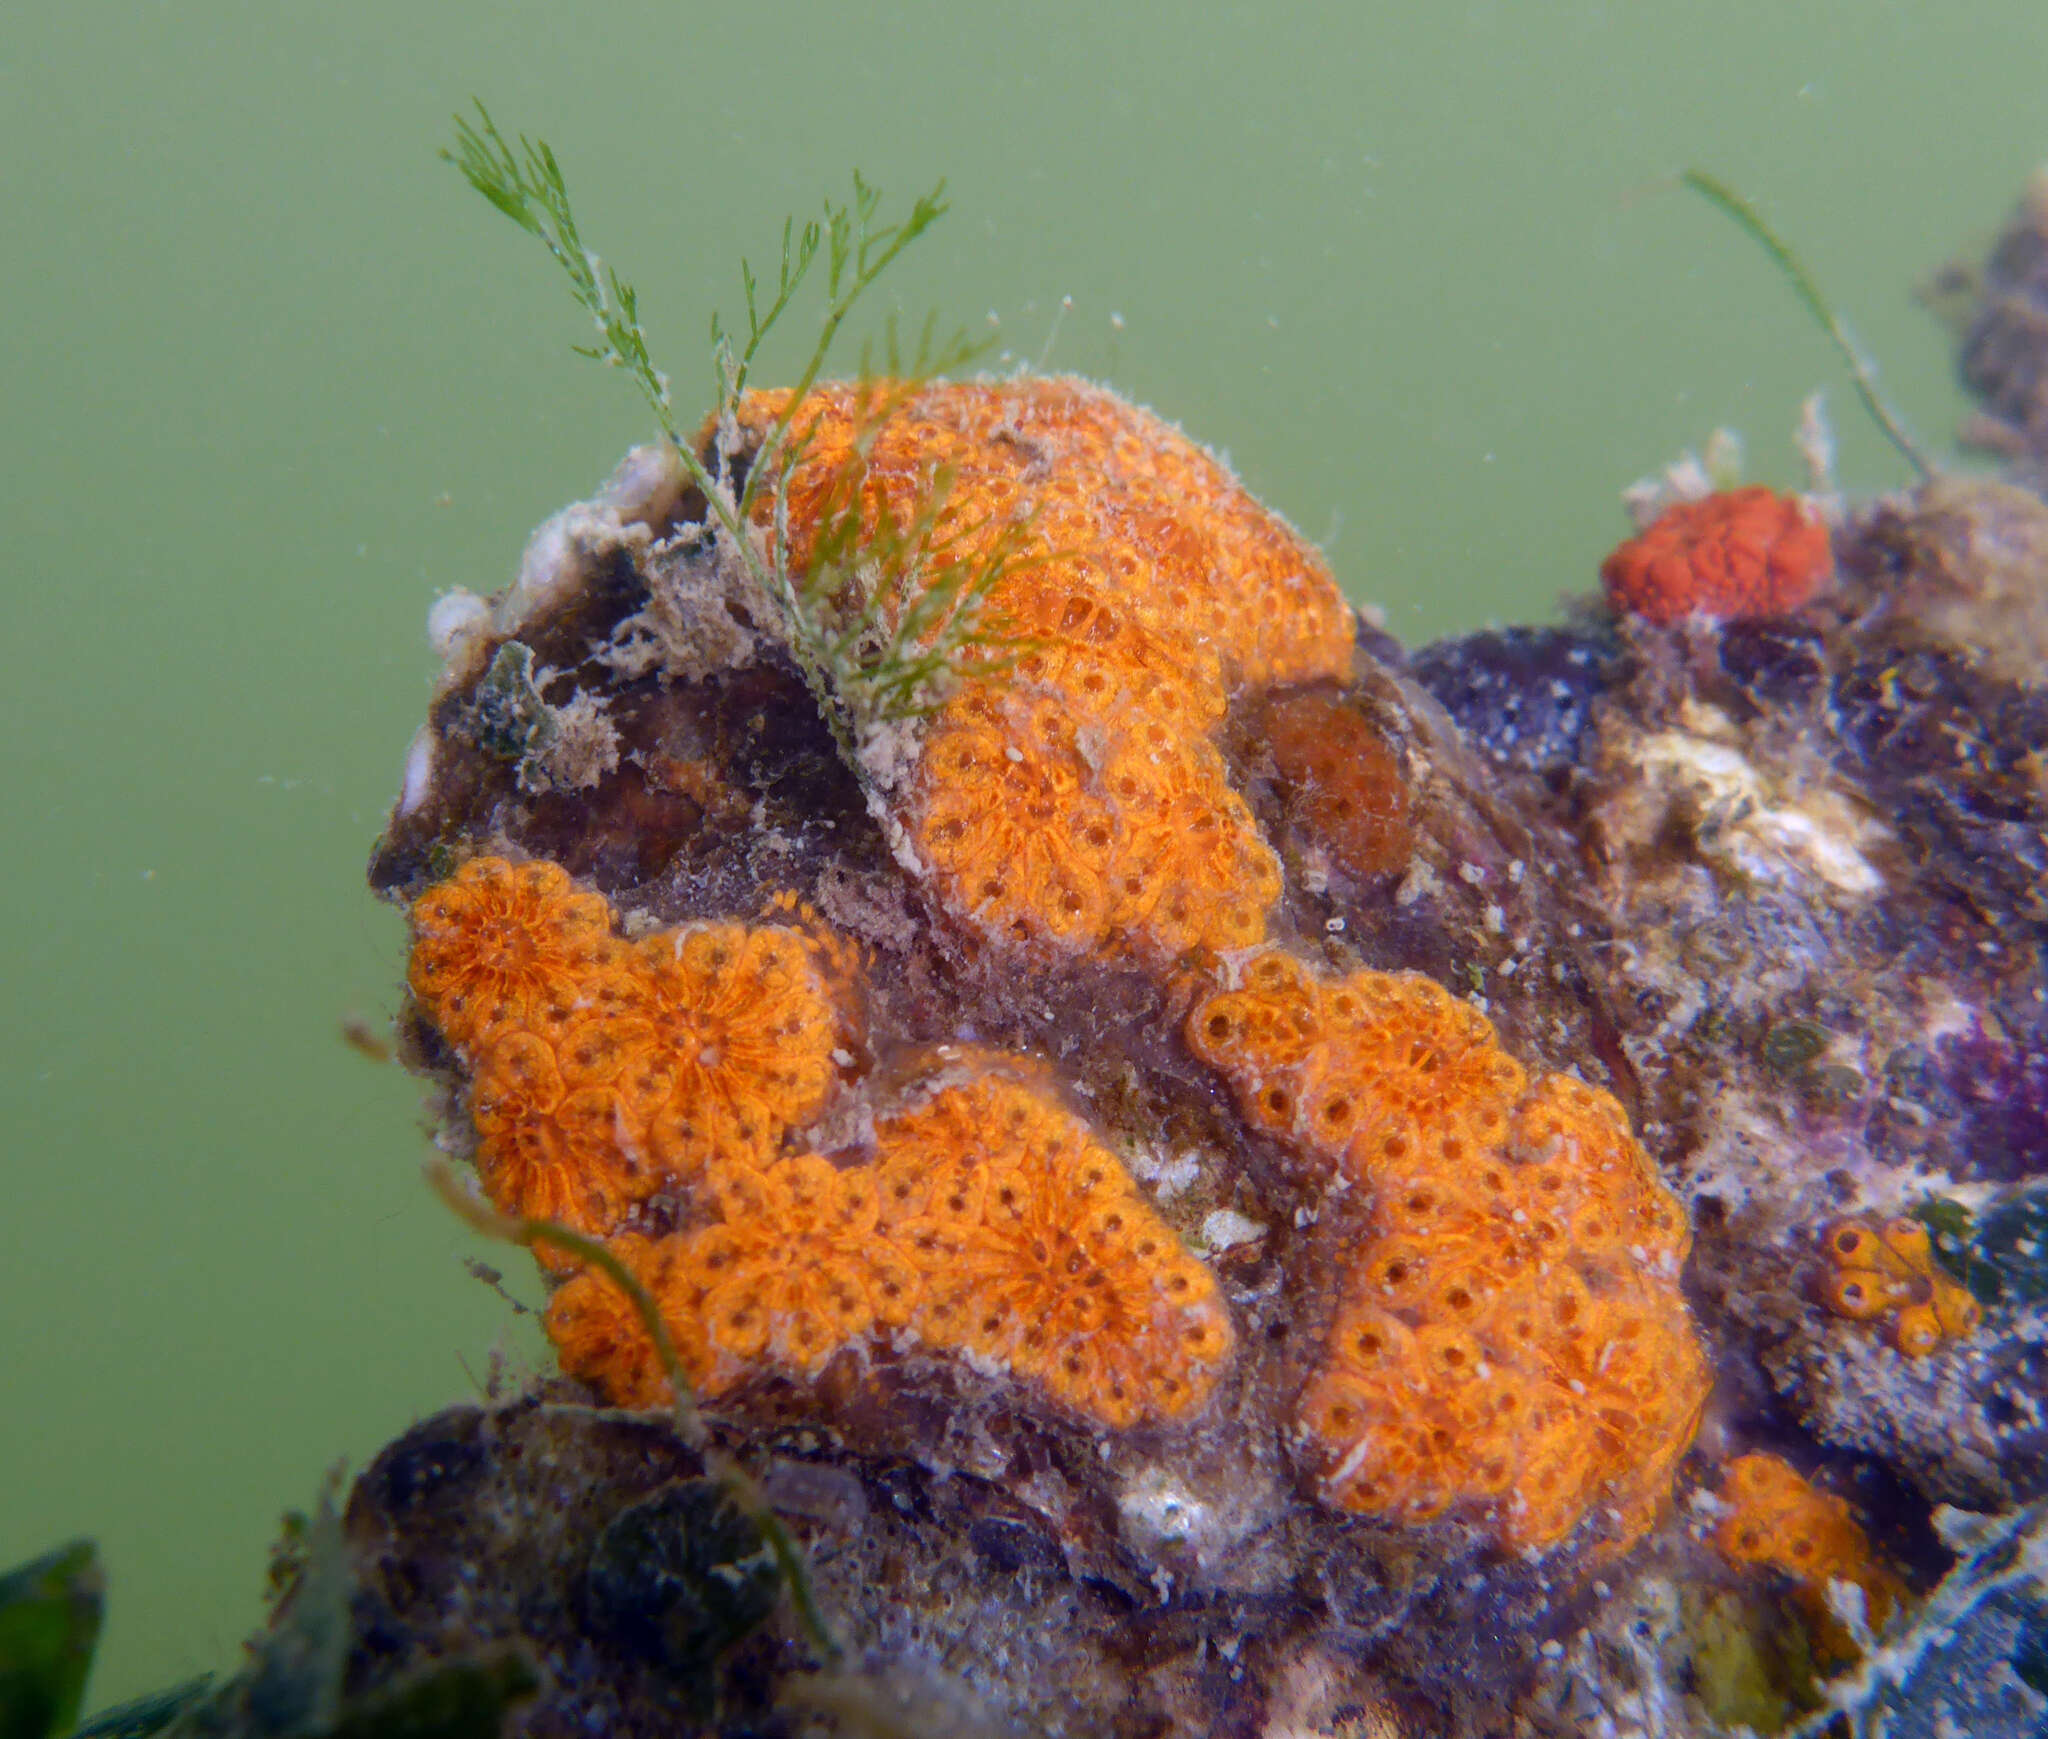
(606, 1072)
(600, 1338)
(1510, 1343)
(1776, 1517)
(1038, 1252)
(991, 1224)
(1889, 1270)
(498, 942)
(1733, 555)
(1070, 796)
(792, 1273)
(794, 1270)
(745, 1024)
(1344, 784)
(1289, 1041)
(537, 1162)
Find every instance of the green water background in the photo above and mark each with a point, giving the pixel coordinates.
(273, 378)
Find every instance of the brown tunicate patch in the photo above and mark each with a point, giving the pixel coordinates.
(1344, 784)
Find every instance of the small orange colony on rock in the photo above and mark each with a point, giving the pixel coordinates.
(991, 1224)
(502, 944)
(1890, 1270)
(1360, 1069)
(1510, 1344)
(792, 1272)
(1038, 1252)
(606, 1071)
(1072, 797)
(1778, 1518)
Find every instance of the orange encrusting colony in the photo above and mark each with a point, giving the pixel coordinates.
(604, 1071)
(1734, 555)
(991, 1224)
(789, 1273)
(1040, 1253)
(1510, 1344)
(1073, 798)
(501, 944)
(1890, 1270)
(1778, 1518)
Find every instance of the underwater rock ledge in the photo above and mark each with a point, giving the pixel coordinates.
(1221, 1176)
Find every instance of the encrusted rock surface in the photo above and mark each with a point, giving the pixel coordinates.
(1106, 1256)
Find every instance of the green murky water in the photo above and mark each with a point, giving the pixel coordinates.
(273, 378)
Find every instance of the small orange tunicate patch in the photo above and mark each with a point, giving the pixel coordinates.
(744, 1023)
(1733, 555)
(1343, 780)
(1362, 1071)
(1889, 1270)
(1038, 1251)
(1071, 798)
(1778, 1518)
(600, 1338)
(606, 1072)
(991, 1224)
(1510, 1344)
(792, 1272)
(498, 942)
